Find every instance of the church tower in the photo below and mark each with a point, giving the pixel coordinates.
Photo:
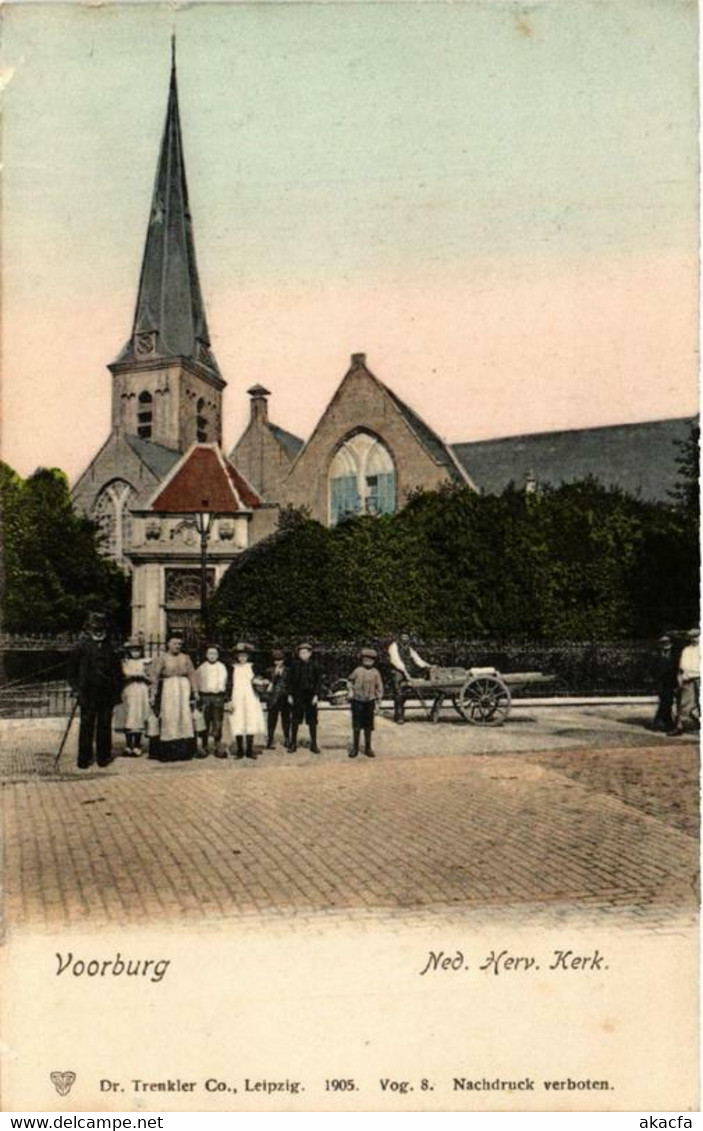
(167, 387)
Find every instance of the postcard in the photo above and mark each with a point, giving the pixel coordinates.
(349, 653)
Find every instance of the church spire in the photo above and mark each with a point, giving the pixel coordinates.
(169, 319)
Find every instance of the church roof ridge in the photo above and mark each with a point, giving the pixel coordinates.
(589, 429)
(440, 451)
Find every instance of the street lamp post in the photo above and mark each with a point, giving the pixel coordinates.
(203, 524)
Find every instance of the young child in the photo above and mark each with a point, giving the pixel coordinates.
(245, 705)
(304, 685)
(277, 699)
(214, 685)
(366, 689)
(135, 696)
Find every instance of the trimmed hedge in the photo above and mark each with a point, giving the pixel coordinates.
(574, 563)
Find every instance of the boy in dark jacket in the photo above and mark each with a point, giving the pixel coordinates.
(304, 684)
(277, 698)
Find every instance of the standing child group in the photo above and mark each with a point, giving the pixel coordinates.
(179, 712)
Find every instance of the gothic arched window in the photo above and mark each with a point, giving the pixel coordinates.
(145, 415)
(361, 478)
(201, 422)
(113, 516)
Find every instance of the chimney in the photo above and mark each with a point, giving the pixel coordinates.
(259, 403)
(358, 359)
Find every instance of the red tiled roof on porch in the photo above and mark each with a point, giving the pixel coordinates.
(205, 480)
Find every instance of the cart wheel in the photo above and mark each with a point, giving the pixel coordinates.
(484, 701)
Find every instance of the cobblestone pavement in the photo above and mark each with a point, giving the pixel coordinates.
(563, 809)
(663, 783)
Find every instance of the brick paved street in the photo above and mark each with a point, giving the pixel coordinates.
(562, 808)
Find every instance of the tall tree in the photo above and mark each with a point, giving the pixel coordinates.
(54, 570)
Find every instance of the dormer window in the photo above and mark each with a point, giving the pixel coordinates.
(201, 423)
(145, 415)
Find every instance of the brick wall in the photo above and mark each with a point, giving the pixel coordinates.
(262, 460)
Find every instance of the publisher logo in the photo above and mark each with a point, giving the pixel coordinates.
(63, 1081)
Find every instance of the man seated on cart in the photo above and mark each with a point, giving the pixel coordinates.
(407, 665)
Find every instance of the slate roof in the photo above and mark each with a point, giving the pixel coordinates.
(287, 440)
(157, 458)
(204, 480)
(639, 458)
(170, 302)
(438, 450)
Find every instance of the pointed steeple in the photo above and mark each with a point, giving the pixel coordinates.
(169, 319)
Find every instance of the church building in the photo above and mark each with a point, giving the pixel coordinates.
(161, 473)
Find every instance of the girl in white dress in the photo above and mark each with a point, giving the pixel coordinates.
(135, 696)
(246, 712)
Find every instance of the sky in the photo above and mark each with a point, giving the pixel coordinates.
(496, 202)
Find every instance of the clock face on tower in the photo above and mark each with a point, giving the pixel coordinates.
(145, 344)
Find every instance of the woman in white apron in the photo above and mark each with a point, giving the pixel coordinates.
(246, 715)
(174, 692)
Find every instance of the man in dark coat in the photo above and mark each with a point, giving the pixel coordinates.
(95, 676)
(277, 699)
(304, 685)
(665, 669)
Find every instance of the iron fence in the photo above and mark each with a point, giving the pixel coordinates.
(36, 700)
(34, 670)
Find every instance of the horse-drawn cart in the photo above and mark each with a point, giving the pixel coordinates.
(480, 696)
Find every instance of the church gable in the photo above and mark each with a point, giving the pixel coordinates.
(118, 479)
(395, 453)
(263, 460)
(264, 452)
